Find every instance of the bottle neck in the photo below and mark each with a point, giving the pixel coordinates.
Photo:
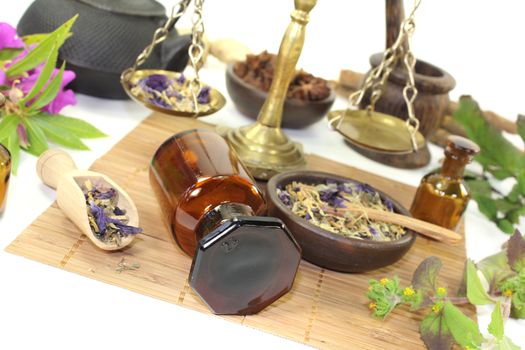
(218, 215)
(453, 167)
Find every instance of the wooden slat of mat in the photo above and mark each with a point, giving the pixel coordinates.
(325, 309)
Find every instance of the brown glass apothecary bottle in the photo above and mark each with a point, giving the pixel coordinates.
(241, 262)
(442, 196)
(5, 173)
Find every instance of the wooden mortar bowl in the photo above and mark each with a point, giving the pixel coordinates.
(433, 85)
(297, 114)
(327, 249)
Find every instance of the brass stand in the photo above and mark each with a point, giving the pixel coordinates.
(264, 147)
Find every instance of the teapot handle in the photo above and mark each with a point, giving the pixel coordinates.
(174, 52)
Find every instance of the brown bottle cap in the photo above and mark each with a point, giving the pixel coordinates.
(245, 265)
(461, 147)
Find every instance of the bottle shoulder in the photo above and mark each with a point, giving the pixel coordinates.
(446, 186)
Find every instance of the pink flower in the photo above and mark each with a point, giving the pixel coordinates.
(8, 38)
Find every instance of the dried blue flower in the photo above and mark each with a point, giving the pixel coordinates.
(373, 231)
(308, 216)
(284, 197)
(157, 82)
(100, 218)
(107, 221)
(204, 95)
(388, 204)
(328, 194)
(181, 79)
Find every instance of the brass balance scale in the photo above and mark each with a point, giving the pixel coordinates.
(173, 97)
(263, 146)
(378, 135)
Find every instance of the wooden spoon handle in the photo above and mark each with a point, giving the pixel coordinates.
(52, 165)
(422, 227)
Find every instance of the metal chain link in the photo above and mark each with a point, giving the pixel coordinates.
(378, 77)
(196, 51)
(162, 33)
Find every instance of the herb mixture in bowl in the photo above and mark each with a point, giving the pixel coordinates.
(324, 205)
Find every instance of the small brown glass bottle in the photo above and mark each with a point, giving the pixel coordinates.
(241, 262)
(442, 197)
(5, 173)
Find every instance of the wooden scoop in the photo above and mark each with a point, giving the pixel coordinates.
(57, 170)
(422, 227)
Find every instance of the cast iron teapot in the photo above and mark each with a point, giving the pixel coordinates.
(108, 36)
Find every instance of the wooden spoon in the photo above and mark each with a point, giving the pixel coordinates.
(57, 170)
(422, 227)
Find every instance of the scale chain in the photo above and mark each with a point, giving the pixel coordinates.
(377, 78)
(196, 51)
(162, 33)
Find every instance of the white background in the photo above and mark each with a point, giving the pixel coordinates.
(479, 42)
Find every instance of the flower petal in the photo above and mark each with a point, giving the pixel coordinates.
(8, 37)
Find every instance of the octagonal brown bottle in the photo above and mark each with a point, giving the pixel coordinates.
(241, 262)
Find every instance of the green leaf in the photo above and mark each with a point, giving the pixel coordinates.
(464, 330)
(496, 325)
(521, 182)
(37, 138)
(521, 126)
(435, 332)
(78, 127)
(476, 294)
(425, 276)
(498, 155)
(8, 126)
(505, 226)
(514, 216)
(479, 187)
(50, 92)
(496, 269)
(60, 136)
(14, 148)
(44, 76)
(34, 38)
(487, 207)
(503, 205)
(9, 54)
(516, 251)
(41, 52)
(506, 344)
(514, 195)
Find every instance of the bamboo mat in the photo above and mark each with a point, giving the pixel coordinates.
(325, 309)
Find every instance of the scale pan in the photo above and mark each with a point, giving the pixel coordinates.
(374, 130)
(130, 82)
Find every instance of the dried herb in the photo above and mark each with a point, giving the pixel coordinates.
(172, 93)
(501, 160)
(257, 70)
(324, 205)
(124, 266)
(107, 221)
(445, 324)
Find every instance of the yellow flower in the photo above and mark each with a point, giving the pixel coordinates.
(383, 281)
(372, 306)
(436, 308)
(408, 292)
(467, 347)
(441, 291)
(507, 292)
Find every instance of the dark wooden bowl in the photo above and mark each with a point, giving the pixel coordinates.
(329, 250)
(296, 114)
